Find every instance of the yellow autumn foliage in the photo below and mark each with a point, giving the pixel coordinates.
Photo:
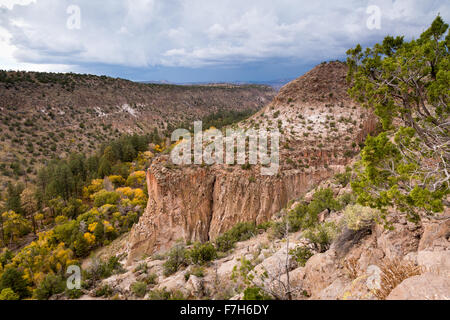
(95, 186)
(117, 180)
(90, 238)
(159, 148)
(126, 191)
(108, 226)
(92, 226)
(136, 178)
(60, 220)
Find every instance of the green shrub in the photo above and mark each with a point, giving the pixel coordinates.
(240, 232)
(6, 257)
(112, 266)
(300, 218)
(278, 230)
(74, 294)
(139, 289)
(8, 294)
(51, 285)
(344, 178)
(197, 271)
(166, 295)
(305, 215)
(346, 199)
(104, 197)
(151, 279)
(202, 253)
(324, 199)
(102, 270)
(103, 291)
(141, 267)
(14, 279)
(301, 255)
(255, 294)
(357, 217)
(322, 235)
(177, 258)
(264, 226)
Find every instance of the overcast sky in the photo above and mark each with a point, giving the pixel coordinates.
(199, 40)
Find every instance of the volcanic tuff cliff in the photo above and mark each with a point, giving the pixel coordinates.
(321, 131)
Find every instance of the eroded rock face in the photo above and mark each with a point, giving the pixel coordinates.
(178, 208)
(198, 203)
(237, 199)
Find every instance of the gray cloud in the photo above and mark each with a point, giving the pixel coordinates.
(199, 33)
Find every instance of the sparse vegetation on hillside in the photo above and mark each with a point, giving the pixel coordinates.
(49, 115)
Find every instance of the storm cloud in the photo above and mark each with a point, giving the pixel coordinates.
(133, 37)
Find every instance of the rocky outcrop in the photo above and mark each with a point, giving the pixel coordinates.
(179, 207)
(236, 198)
(427, 286)
(198, 203)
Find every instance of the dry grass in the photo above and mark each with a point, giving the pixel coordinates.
(393, 273)
(351, 267)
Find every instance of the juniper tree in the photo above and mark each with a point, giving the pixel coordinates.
(406, 84)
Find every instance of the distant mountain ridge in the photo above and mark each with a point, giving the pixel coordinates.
(275, 84)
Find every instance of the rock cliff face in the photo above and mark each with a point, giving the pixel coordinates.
(321, 130)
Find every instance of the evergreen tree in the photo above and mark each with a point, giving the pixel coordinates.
(29, 204)
(14, 279)
(406, 84)
(13, 202)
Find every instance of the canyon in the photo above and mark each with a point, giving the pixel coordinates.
(322, 133)
(48, 115)
(198, 203)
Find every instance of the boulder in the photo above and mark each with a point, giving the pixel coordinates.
(427, 286)
(437, 262)
(334, 291)
(174, 283)
(195, 285)
(435, 235)
(276, 264)
(321, 270)
(403, 240)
